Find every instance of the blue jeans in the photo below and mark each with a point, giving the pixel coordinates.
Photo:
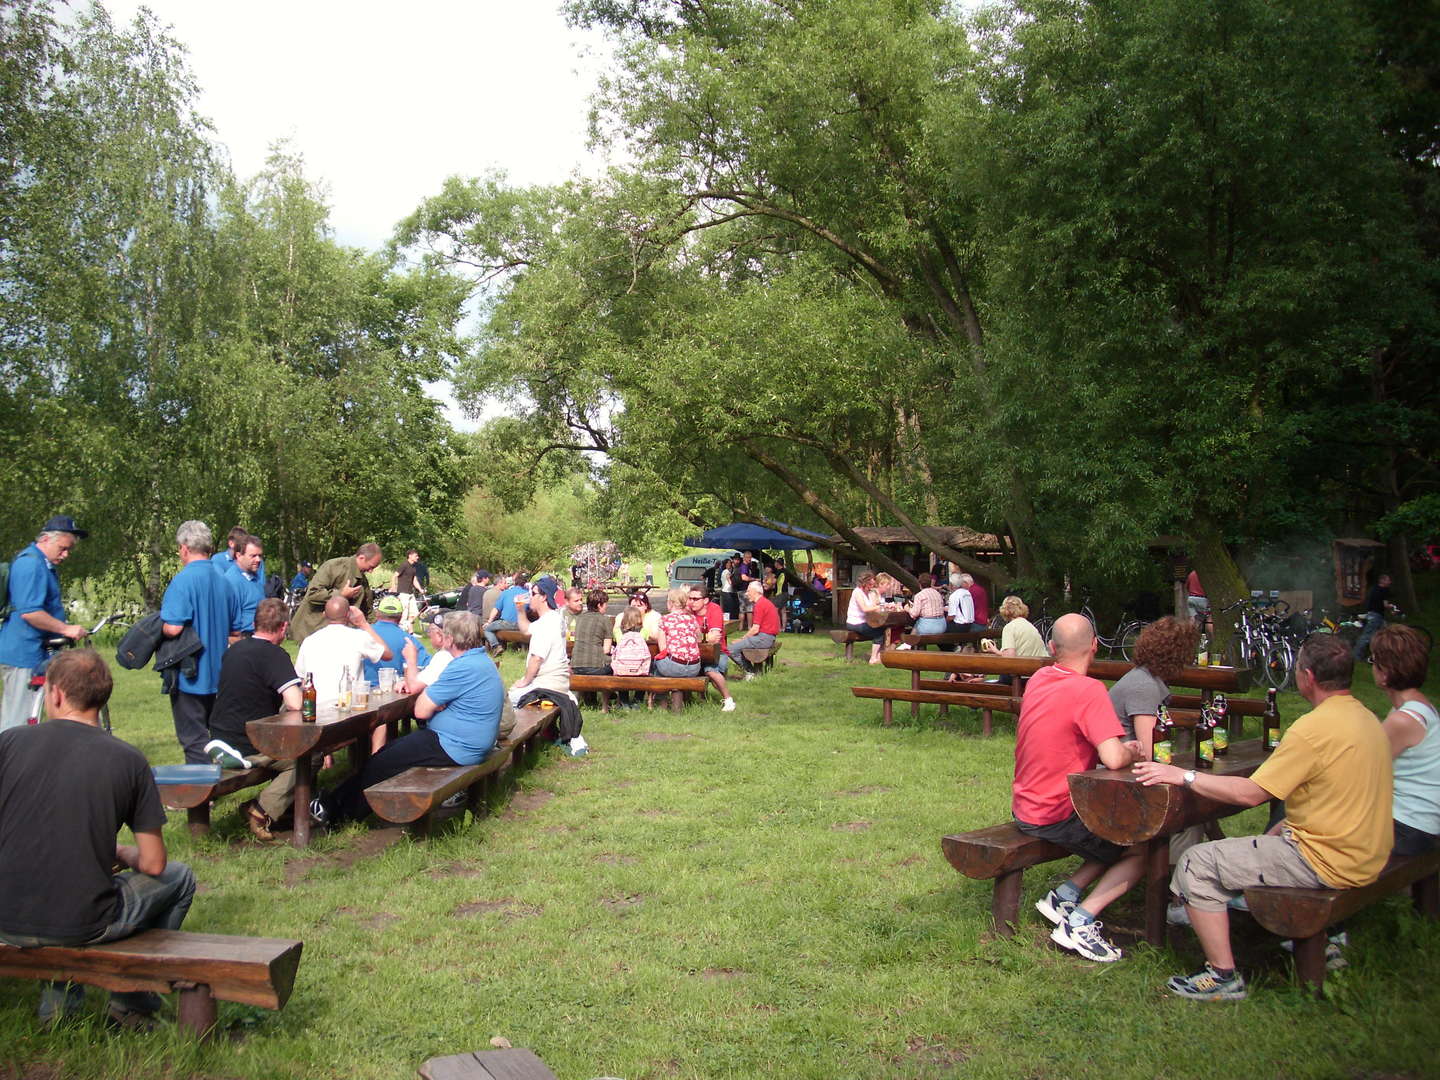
(929, 626)
(498, 624)
(1374, 622)
(146, 903)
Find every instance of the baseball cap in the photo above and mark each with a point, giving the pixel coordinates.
(435, 619)
(549, 587)
(64, 523)
(391, 605)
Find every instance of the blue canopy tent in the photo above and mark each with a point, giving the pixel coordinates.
(743, 535)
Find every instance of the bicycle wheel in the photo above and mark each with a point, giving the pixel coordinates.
(1278, 660)
(1128, 635)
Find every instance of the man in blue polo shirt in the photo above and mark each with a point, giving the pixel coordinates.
(36, 613)
(198, 598)
(242, 575)
(387, 625)
(504, 616)
(463, 707)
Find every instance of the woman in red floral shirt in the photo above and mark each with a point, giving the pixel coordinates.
(678, 638)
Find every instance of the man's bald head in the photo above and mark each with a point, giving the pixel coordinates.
(337, 610)
(1072, 635)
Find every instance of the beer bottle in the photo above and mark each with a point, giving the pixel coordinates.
(1203, 659)
(307, 700)
(1163, 740)
(1272, 721)
(1205, 738)
(1220, 709)
(346, 687)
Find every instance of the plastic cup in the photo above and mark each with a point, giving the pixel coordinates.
(362, 694)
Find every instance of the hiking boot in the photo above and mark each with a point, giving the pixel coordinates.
(225, 755)
(59, 1002)
(1206, 985)
(1055, 909)
(1086, 940)
(257, 821)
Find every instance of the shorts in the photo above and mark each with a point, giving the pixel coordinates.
(1209, 876)
(1072, 835)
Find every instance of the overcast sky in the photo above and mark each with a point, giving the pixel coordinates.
(385, 100)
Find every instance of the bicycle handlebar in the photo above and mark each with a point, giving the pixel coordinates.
(59, 641)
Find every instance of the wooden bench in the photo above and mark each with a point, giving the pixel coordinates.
(195, 799)
(512, 1064)
(201, 968)
(1304, 915)
(518, 638)
(411, 797)
(605, 685)
(760, 660)
(960, 637)
(1002, 853)
(846, 638)
(888, 695)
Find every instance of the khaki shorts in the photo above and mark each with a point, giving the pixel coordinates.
(1210, 875)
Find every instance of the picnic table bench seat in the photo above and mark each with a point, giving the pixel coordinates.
(513, 637)
(760, 660)
(1304, 915)
(1002, 853)
(959, 637)
(412, 796)
(516, 1063)
(888, 695)
(846, 638)
(195, 799)
(201, 968)
(605, 685)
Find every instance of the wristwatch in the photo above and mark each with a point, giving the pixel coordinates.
(1189, 776)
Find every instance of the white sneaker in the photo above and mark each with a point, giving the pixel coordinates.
(578, 746)
(729, 705)
(1086, 940)
(1334, 957)
(1055, 909)
(749, 676)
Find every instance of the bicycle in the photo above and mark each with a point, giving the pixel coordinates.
(1127, 632)
(52, 646)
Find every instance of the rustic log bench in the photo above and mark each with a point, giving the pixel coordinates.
(846, 638)
(195, 799)
(201, 968)
(959, 637)
(605, 685)
(518, 638)
(1002, 853)
(411, 797)
(760, 660)
(512, 1064)
(1304, 915)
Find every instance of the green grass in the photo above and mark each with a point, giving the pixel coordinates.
(708, 895)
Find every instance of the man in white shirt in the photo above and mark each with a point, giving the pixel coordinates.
(547, 667)
(959, 605)
(343, 644)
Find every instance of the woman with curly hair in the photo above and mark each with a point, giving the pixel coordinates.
(1401, 661)
(1165, 647)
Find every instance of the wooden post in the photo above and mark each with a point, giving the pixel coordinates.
(1157, 888)
(1005, 902)
(1310, 960)
(887, 712)
(196, 1012)
(198, 819)
(1426, 895)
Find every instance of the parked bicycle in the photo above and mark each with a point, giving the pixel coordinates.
(52, 646)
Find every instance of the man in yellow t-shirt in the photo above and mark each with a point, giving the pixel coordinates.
(1333, 771)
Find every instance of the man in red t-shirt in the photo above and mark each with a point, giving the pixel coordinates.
(1068, 725)
(982, 602)
(764, 625)
(712, 629)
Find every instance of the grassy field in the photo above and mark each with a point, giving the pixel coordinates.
(759, 894)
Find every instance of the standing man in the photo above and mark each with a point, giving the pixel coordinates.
(257, 679)
(233, 541)
(36, 612)
(344, 577)
(1333, 771)
(960, 605)
(198, 599)
(1068, 725)
(711, 618)
(1377, 603)
(764, 625)
(1195, 598)
(404, 585)
(472, 597)
(727, 588)
(981, 599)
(66, 788)
(243, 577)
(744, 573)
(342, 645)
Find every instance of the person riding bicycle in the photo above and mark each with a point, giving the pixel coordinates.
(36, 613)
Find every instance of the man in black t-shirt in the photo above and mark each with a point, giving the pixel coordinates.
(66, 789)
(257, 679)
(1377, 605)
(405, 585)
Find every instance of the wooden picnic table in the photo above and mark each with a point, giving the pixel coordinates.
(288, 736)
(1115, 806)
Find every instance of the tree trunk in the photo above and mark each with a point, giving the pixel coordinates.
(1221, 578)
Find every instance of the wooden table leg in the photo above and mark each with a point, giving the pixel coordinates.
(1310, 960)
(915, 685)
(195, 1011)
(304, 792)
(198, 818)
(1157, 888)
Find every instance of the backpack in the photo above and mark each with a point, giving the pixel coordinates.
(631, 655)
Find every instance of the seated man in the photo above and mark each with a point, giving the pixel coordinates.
(1333, 770)
(418, 674)
(712, 625)
(764, 625)
(547, 665)
(387, 625)
(338, 648)
(256, 679)
(503, 615)
(1068, 725)
(462, 707)
(57, 836)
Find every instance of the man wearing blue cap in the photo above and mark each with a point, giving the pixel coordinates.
(35, 613)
